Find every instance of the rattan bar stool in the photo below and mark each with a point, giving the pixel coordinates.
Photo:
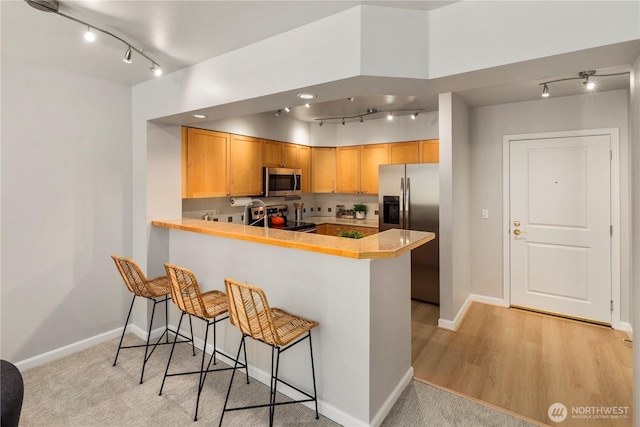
(156, 290)
(208, 306)
(250, 312)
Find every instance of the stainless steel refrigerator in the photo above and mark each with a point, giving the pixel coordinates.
(408, 197)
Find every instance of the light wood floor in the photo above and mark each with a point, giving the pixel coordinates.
(524, 362)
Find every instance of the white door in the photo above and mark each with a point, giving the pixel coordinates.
(560, 225)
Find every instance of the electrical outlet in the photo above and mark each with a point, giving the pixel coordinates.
(319, 208)
(376, 212)
(229, 219)
(328, 209)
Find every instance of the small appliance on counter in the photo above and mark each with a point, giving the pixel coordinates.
(277, 215)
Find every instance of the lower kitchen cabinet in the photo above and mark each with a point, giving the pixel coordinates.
(334, 229)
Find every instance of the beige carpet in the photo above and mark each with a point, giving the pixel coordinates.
(84, 389)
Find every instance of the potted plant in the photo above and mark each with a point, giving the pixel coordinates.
(361, 210)
(351, 234)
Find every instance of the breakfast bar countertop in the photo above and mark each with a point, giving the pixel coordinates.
(387, 244)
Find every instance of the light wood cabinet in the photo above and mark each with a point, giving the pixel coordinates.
(245, 170)
(304, 163)
(205, 163)
(373, 156)
(289, 155)
(323, 169)
(276, 154)
(404, 152)
(430, 151)
(348, 169)
(357, 167)
(334, 229)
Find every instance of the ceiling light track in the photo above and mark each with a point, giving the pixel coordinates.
(342, 119)
(52, 6)
(582, 75)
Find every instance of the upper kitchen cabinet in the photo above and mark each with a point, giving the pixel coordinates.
(276, 154)
(245, 169)
(304, 163)
(372, 156)
(348, 169)
(430, 151)
(323, 169)
(357, 167)
(404, 152)
(205, 163)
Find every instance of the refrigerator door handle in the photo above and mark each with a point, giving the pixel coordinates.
(401, 203)
(407, 212)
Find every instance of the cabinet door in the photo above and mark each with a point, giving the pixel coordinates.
(323, 169)
(404, 152)
(289, 155)
(245, 166)
(206, 163)
(321, 229)
(348, 169)
(271, 153)
(430, 151)
(304, 163)
(333, 229)
(372, 157)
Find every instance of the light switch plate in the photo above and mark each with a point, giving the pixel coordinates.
(485, 213)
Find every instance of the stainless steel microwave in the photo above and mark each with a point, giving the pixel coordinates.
(281, 181)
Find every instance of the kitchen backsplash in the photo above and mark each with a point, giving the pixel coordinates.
(220, 209)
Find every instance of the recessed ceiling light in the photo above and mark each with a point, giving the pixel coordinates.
(306, 96)
(199, 116)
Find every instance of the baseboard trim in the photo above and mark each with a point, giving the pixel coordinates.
(392, 399)
(58, 353)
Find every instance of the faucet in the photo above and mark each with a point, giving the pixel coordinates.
(250, 205)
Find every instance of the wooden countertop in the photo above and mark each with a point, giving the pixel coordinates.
(388, 244)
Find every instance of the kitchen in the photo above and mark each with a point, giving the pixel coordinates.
(154, 177)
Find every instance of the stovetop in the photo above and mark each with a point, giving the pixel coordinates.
(257, 214)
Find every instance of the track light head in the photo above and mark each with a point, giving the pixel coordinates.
(390, 115)
(89, 35)
(278, 113)
(127, 56)
(361, 120)
(155, 69)
(321, 123)
(590, 85)
(414, 115)
(545, 91)
(287, 109)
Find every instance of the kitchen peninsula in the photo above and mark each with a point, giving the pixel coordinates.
(357, 289)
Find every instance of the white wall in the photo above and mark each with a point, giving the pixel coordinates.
(455, 187)
(476, 35)
(66, 206)
(488, 126)
(634, 137)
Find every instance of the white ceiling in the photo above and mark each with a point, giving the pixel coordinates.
(177, 34)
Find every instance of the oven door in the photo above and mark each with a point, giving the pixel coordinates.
(281, 181)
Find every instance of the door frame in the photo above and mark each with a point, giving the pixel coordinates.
(613, 134)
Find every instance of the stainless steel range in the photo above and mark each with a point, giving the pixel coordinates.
(278, 219)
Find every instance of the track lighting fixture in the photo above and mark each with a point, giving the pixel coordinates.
(582, 75)
(156, 70)
(545, 91)
(52, 6)
(361, 116)
(89, 35)
(127, 56)
(287, 109)
(278, 113)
